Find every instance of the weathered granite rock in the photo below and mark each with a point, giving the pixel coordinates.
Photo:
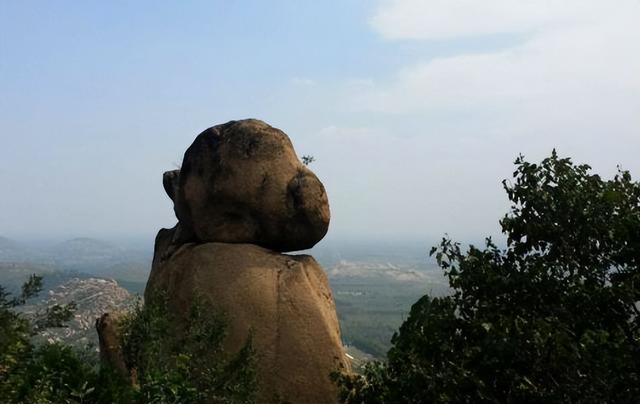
(241, 182)
(284, 300)
(170, 182)
(110, 348)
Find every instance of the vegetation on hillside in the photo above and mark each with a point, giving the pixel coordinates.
(551, 318)
(182, 360)
(168, 368)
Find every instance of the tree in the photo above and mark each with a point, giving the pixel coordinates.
(39, 374)
(551, 318)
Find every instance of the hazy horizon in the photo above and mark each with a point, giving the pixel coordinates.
(414, 110)
(345, 243)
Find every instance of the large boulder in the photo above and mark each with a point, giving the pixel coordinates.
(284, 301)
(242, 182)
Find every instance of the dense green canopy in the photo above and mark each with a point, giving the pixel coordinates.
(551, 318)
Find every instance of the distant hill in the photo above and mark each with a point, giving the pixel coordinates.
(85, 254)
(130, 271)
(76, 258)
(93, 297)
(7, 244)
(86, 247)
(14, 274)
(80, 254)
(13, 251)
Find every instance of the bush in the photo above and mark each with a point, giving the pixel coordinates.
(39, 374)
(190, 368)
(182, 360)
(551, 318)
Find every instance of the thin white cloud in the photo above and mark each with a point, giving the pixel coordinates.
(452, 125)
(423, 151)
(441, 19)
(571, 78)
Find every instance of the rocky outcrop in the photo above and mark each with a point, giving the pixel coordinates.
(241, 182)
(110, 349)
(283, 301)
(92, 297)
(242, 198)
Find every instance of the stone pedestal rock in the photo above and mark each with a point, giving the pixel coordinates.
(242, 197)
(284, 301)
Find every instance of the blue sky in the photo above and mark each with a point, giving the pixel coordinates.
(414, 109)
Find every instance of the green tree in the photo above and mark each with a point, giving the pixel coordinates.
(39, 374)
(551, 318)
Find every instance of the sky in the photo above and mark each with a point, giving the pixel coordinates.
(413, 109)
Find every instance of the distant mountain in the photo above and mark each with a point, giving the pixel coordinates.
(14, 274)
(12, 251)
(7, 244)
(130, 271)
(98, 257)
(93, 297)
(86, 246)
(76, 258)
(85, 254)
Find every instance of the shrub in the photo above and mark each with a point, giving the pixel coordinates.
(551, 318)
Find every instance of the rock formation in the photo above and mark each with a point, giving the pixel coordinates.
(241, 182)
(109, 343)
(242, 198)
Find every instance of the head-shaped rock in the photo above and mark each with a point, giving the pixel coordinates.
(241, 182)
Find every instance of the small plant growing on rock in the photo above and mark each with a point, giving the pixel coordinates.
(308, 159)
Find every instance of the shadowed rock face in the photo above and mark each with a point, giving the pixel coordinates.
(284, 301)
(241, 182)
(110, 349)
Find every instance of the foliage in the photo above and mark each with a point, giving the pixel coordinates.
(551, 318)
(189, 365)
(171, 369)
(308, 159)
(15, 332)
(38, 374)
(56, 373)
(30, 288)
